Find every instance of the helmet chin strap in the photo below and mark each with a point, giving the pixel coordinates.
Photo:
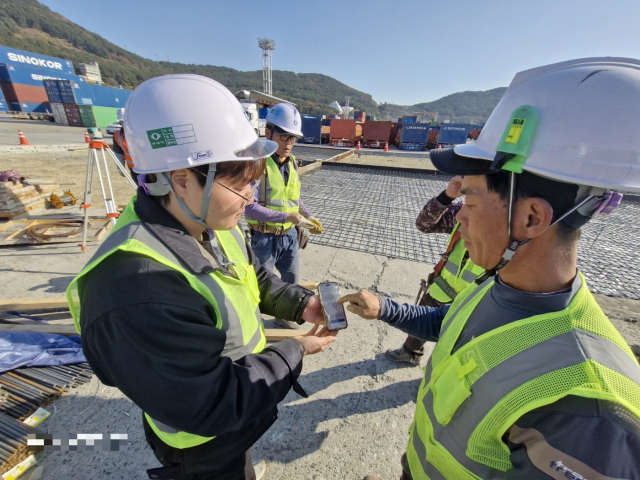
(204, 210)
(510, 251)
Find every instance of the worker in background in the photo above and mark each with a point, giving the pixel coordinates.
(529, 379)
(169, 306)
(278, 208)
(451, 275)
(120, 147)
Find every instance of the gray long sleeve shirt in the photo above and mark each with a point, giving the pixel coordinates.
(597, 436)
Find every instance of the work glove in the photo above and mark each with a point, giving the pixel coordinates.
(306, 224)
(318, 228)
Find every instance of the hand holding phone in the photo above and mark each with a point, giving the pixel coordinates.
(335, 318)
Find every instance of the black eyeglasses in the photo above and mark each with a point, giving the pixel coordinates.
(246, 199)
(288, 138)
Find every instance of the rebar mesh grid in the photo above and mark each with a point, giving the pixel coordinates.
(374, 211)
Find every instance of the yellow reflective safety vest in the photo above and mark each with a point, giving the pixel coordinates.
(274, 194)
(469, 399)
(234, 298)
(454, 277)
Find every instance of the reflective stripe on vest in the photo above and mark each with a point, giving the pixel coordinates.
(468, 400)
(122, 142)
(235, 300)
(277, 195)
(453, 278)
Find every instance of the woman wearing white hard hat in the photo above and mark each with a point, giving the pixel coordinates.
(169, 306)
(278, 210)
(529, 379)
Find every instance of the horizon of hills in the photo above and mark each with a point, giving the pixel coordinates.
(29, 25)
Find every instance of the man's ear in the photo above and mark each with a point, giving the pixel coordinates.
(267, 133)
(534, 215)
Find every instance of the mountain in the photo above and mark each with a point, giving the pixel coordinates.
(461, 107)
(29, 25)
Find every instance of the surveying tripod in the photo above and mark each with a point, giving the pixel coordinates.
(94, 161)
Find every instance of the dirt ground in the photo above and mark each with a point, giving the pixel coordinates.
(390, 160)
(68, 169)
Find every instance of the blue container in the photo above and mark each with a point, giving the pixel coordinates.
(29, 76)
(4, 106)
(82, 93)
(66, 91)
(311, 126)
(31, 107)
(53, 92)
(21, 58)
(415, 133)
(453, 133)
(262, 113)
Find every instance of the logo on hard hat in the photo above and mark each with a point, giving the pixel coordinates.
(155, 136)
(204, 154)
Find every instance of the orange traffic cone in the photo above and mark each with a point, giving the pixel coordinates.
(86, 137)
(386, 147)
(358, 147)
(23, 139)
(439, 145)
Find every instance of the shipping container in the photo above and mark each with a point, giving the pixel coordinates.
(21, 58)
(4, 106)
(104, 116)
(432, 141)
(415, 133)
(311, 128)
(73, 115)
(395, 126)
(86, 116)
(30, 76)
(17, 92)
(342, 129)
(53, 92)
(376, 134)
(359, 131)
(359, 116)
(453, 134)
(31, 107)
(262, 113)
(420, 147)
(371, 118)
(410, 118)
(59, 115)
(83, 93)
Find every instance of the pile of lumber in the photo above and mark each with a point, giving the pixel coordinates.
(19, 199)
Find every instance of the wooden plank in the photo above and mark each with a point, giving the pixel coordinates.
(33, 304)
(279, 334)
(59, 329)
(272, 334)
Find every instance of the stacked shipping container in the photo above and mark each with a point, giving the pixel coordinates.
(85, 104)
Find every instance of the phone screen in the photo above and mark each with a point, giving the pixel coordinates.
(334, 315)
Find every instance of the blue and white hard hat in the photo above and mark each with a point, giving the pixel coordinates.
(286, 117)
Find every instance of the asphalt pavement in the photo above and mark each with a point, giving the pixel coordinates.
(39, 132)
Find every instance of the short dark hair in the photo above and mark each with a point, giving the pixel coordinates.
(237, 172)
(561, 196)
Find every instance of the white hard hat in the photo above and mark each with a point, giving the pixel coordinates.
(587, 131)
(286, 117)
(120, 114)
(182, 121)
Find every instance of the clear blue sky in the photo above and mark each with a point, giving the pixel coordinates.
(402, 51)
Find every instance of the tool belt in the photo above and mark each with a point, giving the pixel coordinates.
(424, 298)
(264, 228)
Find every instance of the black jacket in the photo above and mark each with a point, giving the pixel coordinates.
(147, 332)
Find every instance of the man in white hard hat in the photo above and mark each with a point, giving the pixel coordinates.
(529, 379)
(278, 208)
(120, 147)
(169, 306)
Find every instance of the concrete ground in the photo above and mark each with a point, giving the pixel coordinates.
(360, 407)
(39, 132)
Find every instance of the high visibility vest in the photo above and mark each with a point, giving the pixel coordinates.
(235, 299)
(120, 140)
(469, 399)
(278, 196)
(454, 277)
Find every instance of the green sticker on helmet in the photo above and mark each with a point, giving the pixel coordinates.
(518, 136)
(170, 136)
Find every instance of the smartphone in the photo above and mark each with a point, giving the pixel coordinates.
(335, 318)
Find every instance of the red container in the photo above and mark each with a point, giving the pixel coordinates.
(376, 134)
(432, 140)
(394, 131)
(18, 92)
(73, 115)
(342, 129)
